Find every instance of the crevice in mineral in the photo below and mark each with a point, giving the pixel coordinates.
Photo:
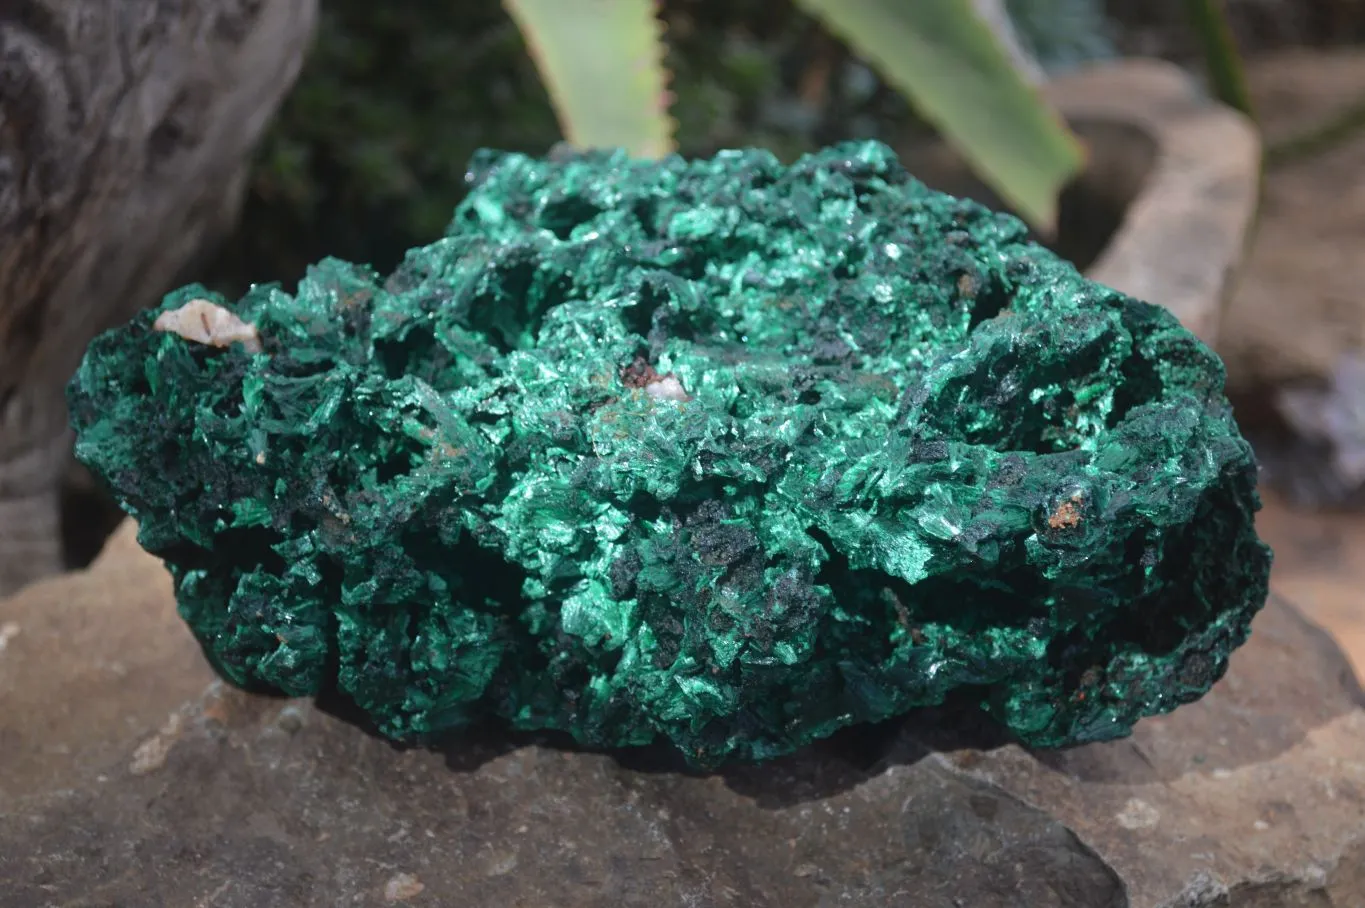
(562, 215)
(985, 293)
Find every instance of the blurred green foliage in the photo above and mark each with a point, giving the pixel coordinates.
(367, 157)
(368, 152)
(949, 60)
(1063, 34)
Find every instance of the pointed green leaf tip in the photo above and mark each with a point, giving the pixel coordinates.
(602, 63)
(947, 62)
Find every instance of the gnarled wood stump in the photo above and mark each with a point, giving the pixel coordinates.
(125, 131)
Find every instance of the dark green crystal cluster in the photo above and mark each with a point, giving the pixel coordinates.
(724, 452)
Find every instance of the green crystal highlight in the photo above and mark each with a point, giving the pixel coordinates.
(721, 452)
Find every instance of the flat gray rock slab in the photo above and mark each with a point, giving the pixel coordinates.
(129, 776)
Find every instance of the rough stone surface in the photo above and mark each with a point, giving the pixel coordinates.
(1320, 567)
(721, 452)
(1298, 308)
(129, 776)
(1184, 233)
(1295, 329)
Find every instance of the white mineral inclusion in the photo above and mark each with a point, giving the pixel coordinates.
(667, 388)
(208, 323)
(1138, 814)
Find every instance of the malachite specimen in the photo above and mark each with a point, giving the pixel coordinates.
(724, 452)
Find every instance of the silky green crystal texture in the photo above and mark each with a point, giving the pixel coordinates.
(723, 452)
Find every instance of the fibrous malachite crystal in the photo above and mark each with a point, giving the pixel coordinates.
(721, 451)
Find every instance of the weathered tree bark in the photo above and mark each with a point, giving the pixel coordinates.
(125, 132)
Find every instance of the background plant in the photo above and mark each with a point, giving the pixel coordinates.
(602, 61)
(367, 158)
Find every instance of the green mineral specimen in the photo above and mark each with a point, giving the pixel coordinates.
(724, 452)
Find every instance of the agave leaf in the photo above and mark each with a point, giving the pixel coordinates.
(602, 64)
(944, 58)
(1222, 60)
